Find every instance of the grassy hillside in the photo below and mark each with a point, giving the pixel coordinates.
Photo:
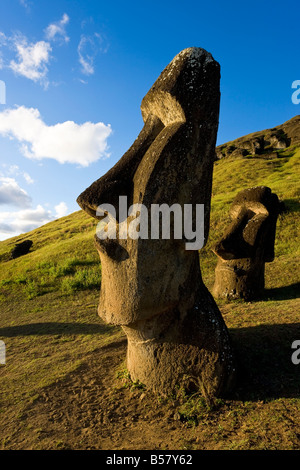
(65, 384)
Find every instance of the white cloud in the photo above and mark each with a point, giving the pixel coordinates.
(32, 59)
(3, 39)
(12, 223)
(61, 210)
(24, 3)
(28, 178)
(3, 42)
(65, 142)
(33, 216)
(4, 229)
(15, 223)
(58, 30)
(86, 60)
(88, 48)
(12, 194)
(14, 170)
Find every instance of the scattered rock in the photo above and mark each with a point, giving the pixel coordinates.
(21, 249)
(264, 143)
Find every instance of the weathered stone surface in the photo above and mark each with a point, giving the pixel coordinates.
(21, 249)
(247, 245)
(153, 287)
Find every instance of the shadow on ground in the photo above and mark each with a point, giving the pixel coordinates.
(283, 293)
(54, 328)
(264, 357)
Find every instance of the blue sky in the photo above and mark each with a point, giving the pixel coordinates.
(76, 71)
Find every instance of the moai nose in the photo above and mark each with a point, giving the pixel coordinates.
(118, 181)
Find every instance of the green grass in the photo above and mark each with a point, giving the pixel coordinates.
(65, 276)
(62, 259)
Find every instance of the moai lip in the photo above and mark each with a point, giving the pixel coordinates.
(153, 287)
(247, 245)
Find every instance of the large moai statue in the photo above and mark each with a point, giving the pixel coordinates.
(247, 245)
(153, 287)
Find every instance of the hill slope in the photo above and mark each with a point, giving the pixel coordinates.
(267, 143)
(65, 385)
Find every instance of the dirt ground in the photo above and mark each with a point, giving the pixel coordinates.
(94, 408)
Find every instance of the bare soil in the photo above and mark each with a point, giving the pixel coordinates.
(94, 408)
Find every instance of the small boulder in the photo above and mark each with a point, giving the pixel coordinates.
(21, 249)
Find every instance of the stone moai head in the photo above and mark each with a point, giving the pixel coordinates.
(247, 245)
(151, 285)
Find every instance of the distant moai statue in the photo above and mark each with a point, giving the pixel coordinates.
(153, 287)
(2, 92)
(247, 245)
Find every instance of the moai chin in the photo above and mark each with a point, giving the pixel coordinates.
(247, 245)
(153, 287)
